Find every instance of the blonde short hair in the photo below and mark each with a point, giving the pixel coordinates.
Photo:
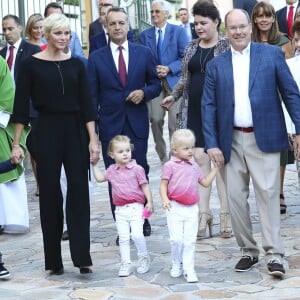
(118, 139)
(32, 20)
(55, 21)
(181, 134)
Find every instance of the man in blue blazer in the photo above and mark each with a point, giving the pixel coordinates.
(184, 17)
(244, 127)
(282, 16)
(121, 107)
(169, 56)
(101, 39)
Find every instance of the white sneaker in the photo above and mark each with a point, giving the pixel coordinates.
(191, 276)
(125, 269)
(143, 264)
(176, 270)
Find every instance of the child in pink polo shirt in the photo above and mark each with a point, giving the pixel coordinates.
(179, 193)
(130, 187)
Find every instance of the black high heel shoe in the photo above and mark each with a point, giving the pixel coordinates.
(57, 271)
(85, 270)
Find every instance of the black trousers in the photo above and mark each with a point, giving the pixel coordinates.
(62, 140)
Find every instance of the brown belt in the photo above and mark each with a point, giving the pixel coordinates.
(244, 129)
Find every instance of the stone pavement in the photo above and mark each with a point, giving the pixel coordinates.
(215, 257)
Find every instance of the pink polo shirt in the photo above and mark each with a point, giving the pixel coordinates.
(184, 177)
(126, 183)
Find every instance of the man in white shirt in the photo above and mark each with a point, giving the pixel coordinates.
(244, 128)
(184, 17)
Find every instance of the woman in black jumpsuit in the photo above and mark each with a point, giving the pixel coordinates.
(57, 86)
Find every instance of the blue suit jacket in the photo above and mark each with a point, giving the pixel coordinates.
(174, 43)
(268, 74)
(282, 18)
(109, 95)
(247, 5)
(99, 40)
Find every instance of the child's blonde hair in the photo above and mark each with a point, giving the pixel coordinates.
(180, 134)
(118, 139)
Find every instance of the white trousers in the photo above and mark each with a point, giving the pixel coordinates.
(129, 218)
(182, 223)
(13, 206)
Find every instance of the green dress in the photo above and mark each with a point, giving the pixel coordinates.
(7, 93)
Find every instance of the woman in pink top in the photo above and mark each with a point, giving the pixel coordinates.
(179, 193)
(130, 187)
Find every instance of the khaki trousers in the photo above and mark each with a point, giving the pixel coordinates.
(157, 117)
(246, 162)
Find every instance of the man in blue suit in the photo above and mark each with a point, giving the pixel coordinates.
(101, 39)
(121, 102)
(169, 53)
(244, 127)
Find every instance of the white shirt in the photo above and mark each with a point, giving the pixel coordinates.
(106, 34)
(115, 53)
(242, 107)
(187, 28)
(16, 48)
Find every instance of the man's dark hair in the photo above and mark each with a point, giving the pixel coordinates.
(16, 19)
(117, 9)
(52, 5)
(182, 8)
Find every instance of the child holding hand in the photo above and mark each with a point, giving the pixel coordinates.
(130, 187)
(179, 193)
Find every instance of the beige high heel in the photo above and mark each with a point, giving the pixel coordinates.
(225, 225)
(205, 220)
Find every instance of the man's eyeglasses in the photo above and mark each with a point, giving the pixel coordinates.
(105, 4)
(240, 27)
(155, 11)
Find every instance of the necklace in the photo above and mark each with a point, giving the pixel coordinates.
(203, 61)
(61, 76)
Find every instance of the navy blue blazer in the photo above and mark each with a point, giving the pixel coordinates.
(99, 40)
(194, 34)
(247, 5)
(174, 43)
(282, 18)
(268, 74)
(109, 96)
(94, 28)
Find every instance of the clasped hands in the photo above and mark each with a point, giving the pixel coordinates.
(94, 151)
(17, 154)
(216, 156)
(162, 71)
